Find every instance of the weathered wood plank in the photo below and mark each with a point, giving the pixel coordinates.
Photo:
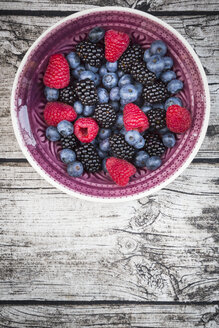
(130, 316)
(163, 247)
(76, 5)
(201, 32)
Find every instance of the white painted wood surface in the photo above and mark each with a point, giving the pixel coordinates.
(76, 5)
(103, 316)
(163, 248)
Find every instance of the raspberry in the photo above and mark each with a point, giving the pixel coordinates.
(56, 112)
(57, 74)
(115, 44)
(134, 118)
(178, 119)
(120, 170)
(86, 129)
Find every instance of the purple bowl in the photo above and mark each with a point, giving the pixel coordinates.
(28, 101)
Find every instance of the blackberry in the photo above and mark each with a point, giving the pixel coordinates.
(157, 118)
(86, 92)
(153, 145)
(132, 54)
(90, 53)
(89, 158)
(141, 74)
(67, 95)
(155, 93)
(70, 142)
(105, 115)
(120, 148)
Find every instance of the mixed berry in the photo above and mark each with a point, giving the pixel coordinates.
(112, 105)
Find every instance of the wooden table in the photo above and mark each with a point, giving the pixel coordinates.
(70, 263)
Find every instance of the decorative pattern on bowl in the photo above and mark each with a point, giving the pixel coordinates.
(28, 101)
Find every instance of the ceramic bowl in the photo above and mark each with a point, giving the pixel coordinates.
(28, 101)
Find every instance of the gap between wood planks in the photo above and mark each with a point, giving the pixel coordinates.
(69, 12)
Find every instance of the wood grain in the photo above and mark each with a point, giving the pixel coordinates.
(130, 316)
(202, 33)
(161, 248)
(76, 5)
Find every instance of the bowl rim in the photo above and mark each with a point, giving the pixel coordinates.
(79, 195)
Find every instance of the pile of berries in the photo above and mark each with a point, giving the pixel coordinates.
(111, 105)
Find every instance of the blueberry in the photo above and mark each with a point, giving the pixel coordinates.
(158, 47)
(73, 60)
(87, 75)
(119, 122)
(52, 133)
(124, 102)
(104, 165)
(97, 80)
(138, 87)
(88, 110)
(91, 68)
(101, 153)
(163, 130)
(161, 106)
(78, 107)
(120, 73)
(172, 101)
(67, 156)
(96, 34)
(104, 145)
(140, 144)
(103, 70)
(156, 64)
(75, 169)
(65, 128)
(51, 94)
(141, 158)
(146, 107)
(115, 105)
(168, 76)
(132, 137)
(125, 79)
(112, 67)
(77, 71)
(103, 95)
(169, 140)
(153, 162)
(128, 93)
(123, 131)
(174, 86)
(147, 55)
(110, 80)
(114, 94)
(168, 62)
(104, 133)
